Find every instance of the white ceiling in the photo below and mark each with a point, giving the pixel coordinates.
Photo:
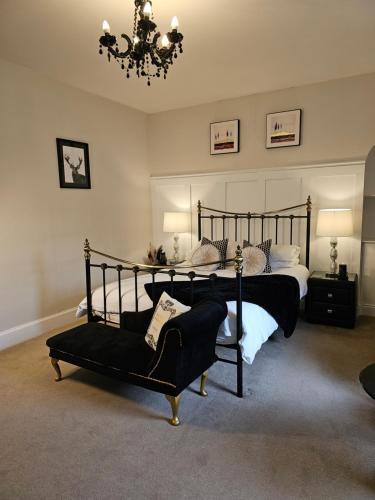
(231, 48)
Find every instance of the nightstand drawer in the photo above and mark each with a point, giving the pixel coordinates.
(330, 311)
(334, 295)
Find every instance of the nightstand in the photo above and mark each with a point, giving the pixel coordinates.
(331, 301)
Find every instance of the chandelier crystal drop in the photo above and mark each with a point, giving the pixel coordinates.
(148, 53)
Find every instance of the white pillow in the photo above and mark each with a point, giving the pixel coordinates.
(254, 261)
(166, 309)
(279, 264)
(232, 247)
(284, 255)
(205, 254)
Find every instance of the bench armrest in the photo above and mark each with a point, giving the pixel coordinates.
(137, 322)
(205, 316)
(186, 345)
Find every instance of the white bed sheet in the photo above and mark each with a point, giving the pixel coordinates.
(258, 324)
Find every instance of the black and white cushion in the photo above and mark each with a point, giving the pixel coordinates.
(266, 248)
(221, 245)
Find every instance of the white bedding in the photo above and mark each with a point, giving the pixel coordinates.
(258, 325)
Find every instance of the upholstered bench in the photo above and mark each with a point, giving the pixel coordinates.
(185, 350)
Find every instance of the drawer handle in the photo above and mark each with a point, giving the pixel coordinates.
(329, 311)
(330, 295)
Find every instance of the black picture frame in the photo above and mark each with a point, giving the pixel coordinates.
(236, 146)
(77, 153)
(284, 142)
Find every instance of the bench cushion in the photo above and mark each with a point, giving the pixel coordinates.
(106, 345)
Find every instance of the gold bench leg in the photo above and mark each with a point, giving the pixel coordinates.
(204, 377)
(174, 402)
(55, 364)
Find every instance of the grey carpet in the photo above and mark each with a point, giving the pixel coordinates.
(305, 429)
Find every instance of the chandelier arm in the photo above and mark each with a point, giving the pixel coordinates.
(164, 53)
(122, 55)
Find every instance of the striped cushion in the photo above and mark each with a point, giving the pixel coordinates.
(266, 248)
(221, 245)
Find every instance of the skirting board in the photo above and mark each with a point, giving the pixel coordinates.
(367, 310)
(20, 333)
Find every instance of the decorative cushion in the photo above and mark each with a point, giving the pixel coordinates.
(254, 261)
(205, 254)
(192, 250)
(221, 245)
(266, 248)
(166, 309)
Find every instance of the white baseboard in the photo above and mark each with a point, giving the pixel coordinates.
(27, 331)
(367, 310)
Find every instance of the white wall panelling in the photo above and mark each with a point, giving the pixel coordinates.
(337, 185)
(368, 277)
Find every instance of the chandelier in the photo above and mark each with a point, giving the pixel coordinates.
(144, 54)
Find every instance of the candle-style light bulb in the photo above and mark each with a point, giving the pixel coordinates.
(174, 23)
(165, 41)
(147, 9)
(105, 27)
(136, 40)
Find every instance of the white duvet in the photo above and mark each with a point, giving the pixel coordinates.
(258, 324)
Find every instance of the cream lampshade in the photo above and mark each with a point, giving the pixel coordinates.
(334, 222)
(176, 222)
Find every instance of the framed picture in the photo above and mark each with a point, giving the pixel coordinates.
(74, 165)
(225, 137)
(284, 129)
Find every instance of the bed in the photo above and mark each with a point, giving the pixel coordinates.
(249, 322)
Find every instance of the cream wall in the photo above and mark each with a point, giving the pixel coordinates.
(338, 124)
(42, 227)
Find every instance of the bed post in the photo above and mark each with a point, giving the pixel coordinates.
(308, 228)
(86, 251)
(238, 264)
(199, 221)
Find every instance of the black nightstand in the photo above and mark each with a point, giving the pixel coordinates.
(331, 301)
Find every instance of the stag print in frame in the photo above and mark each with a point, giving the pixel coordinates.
(74, 166)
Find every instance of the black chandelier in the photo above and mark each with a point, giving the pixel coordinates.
(144, 55)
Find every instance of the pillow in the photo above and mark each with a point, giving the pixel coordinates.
(285, 255)
(232, 247)
(280, 264)
(221, 245)
(266, 248)
(166, 309)
(205, 254)
(190, 252)
(254, 261)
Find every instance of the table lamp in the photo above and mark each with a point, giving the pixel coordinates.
(334, 222)
(176, 222)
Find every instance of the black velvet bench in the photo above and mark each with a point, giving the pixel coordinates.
(185, 350)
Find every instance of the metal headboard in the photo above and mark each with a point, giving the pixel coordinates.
(238, 217)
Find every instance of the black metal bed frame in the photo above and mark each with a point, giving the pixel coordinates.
(172, 271)
(250, 217)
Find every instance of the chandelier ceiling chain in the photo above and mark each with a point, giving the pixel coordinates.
(143, 54)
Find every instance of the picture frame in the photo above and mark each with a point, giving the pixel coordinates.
(283, 129)
(74, 164)
(225, 137)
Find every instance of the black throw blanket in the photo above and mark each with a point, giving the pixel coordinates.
(278, 294)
